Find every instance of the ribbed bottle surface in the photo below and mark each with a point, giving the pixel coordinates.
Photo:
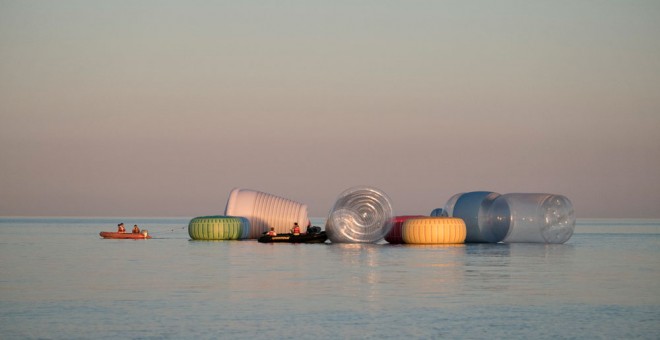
(265, 211)
(277, 212)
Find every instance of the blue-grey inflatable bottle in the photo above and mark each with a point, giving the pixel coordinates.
(473, 208)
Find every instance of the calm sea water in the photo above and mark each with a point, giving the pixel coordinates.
(60, 280)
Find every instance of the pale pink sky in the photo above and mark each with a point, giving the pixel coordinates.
(158, 108)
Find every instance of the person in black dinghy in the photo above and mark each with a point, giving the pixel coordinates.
(313, 235)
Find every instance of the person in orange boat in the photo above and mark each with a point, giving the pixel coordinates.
(296, 229)
(120, 228)
(136, 230)
(271, 232)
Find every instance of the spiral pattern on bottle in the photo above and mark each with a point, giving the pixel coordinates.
(360, 215)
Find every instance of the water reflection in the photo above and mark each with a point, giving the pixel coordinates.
(486, 266)
(61, 280)
(518, 272)
(361, 272)
(383, 275)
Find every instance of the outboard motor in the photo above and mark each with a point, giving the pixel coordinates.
(313, 230)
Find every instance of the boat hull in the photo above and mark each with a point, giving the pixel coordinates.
(118, 235)
(290, 238)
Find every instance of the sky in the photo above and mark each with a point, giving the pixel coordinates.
(161, 108)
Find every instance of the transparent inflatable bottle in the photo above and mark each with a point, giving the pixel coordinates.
(360, 215)
(531, 217)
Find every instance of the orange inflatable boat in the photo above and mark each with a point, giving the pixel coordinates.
(117, 235)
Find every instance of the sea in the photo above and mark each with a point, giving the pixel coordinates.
(60, 280)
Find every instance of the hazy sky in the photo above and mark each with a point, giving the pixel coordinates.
(160, 108)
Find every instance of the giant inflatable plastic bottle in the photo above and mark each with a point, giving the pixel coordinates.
(448, 209)
(473, 208)
(527, 217)
(360, 215)
(513, 218)
(265, 211)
